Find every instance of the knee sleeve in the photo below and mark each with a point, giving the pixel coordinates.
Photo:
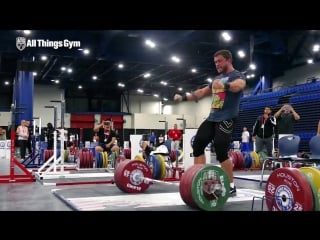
(221, 151)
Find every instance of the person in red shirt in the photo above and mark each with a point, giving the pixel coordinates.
(175, 136)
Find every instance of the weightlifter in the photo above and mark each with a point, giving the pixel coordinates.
(226, 90)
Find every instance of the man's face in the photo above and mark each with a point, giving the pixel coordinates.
(267, 110)
(221, 64)
(106, 126)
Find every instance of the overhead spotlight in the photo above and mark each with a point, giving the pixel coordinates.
(44, 58)
(241, 54)
(310, 61)
(94, 77)
(27, 32)
(226, 36)
(316, 48)
(147, 75)
(252, 66)
(150, 43)
(86, 51)
(164, 83)
(193, 70)
(120, 65)
(175, 59)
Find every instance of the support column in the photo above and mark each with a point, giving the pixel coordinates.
(23, 96)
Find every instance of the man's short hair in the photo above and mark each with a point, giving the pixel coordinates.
(107, 123)
(225, 53)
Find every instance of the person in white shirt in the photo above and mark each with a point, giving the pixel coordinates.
(23, 135)
(245, 138)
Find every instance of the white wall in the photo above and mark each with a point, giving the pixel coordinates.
(144, 104)
(193, 113)
(128, 121)
(42, 97)
(5, 118)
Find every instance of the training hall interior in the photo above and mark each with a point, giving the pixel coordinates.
(60, 86)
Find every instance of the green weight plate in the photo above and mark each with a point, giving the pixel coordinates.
(210, 188)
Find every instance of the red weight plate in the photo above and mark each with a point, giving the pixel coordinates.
(88, 159)
(230, 156)
(130, 176)
(186, 184)
(234, 159)
(91, 159)
(84, 157)
(172, 156)
(288, 190)
(240, 159)
(80, 161)
(46, 153)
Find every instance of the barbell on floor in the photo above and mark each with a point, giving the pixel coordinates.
(293, 189)
(204, 187)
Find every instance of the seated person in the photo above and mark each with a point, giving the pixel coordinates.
(146, 149)
(107, 138)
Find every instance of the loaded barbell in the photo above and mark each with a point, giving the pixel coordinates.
(201, 186)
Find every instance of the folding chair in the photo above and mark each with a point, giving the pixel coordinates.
(314, 145)
(288, 148)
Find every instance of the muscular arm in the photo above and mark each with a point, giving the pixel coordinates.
(237, 85)
(200, 93)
